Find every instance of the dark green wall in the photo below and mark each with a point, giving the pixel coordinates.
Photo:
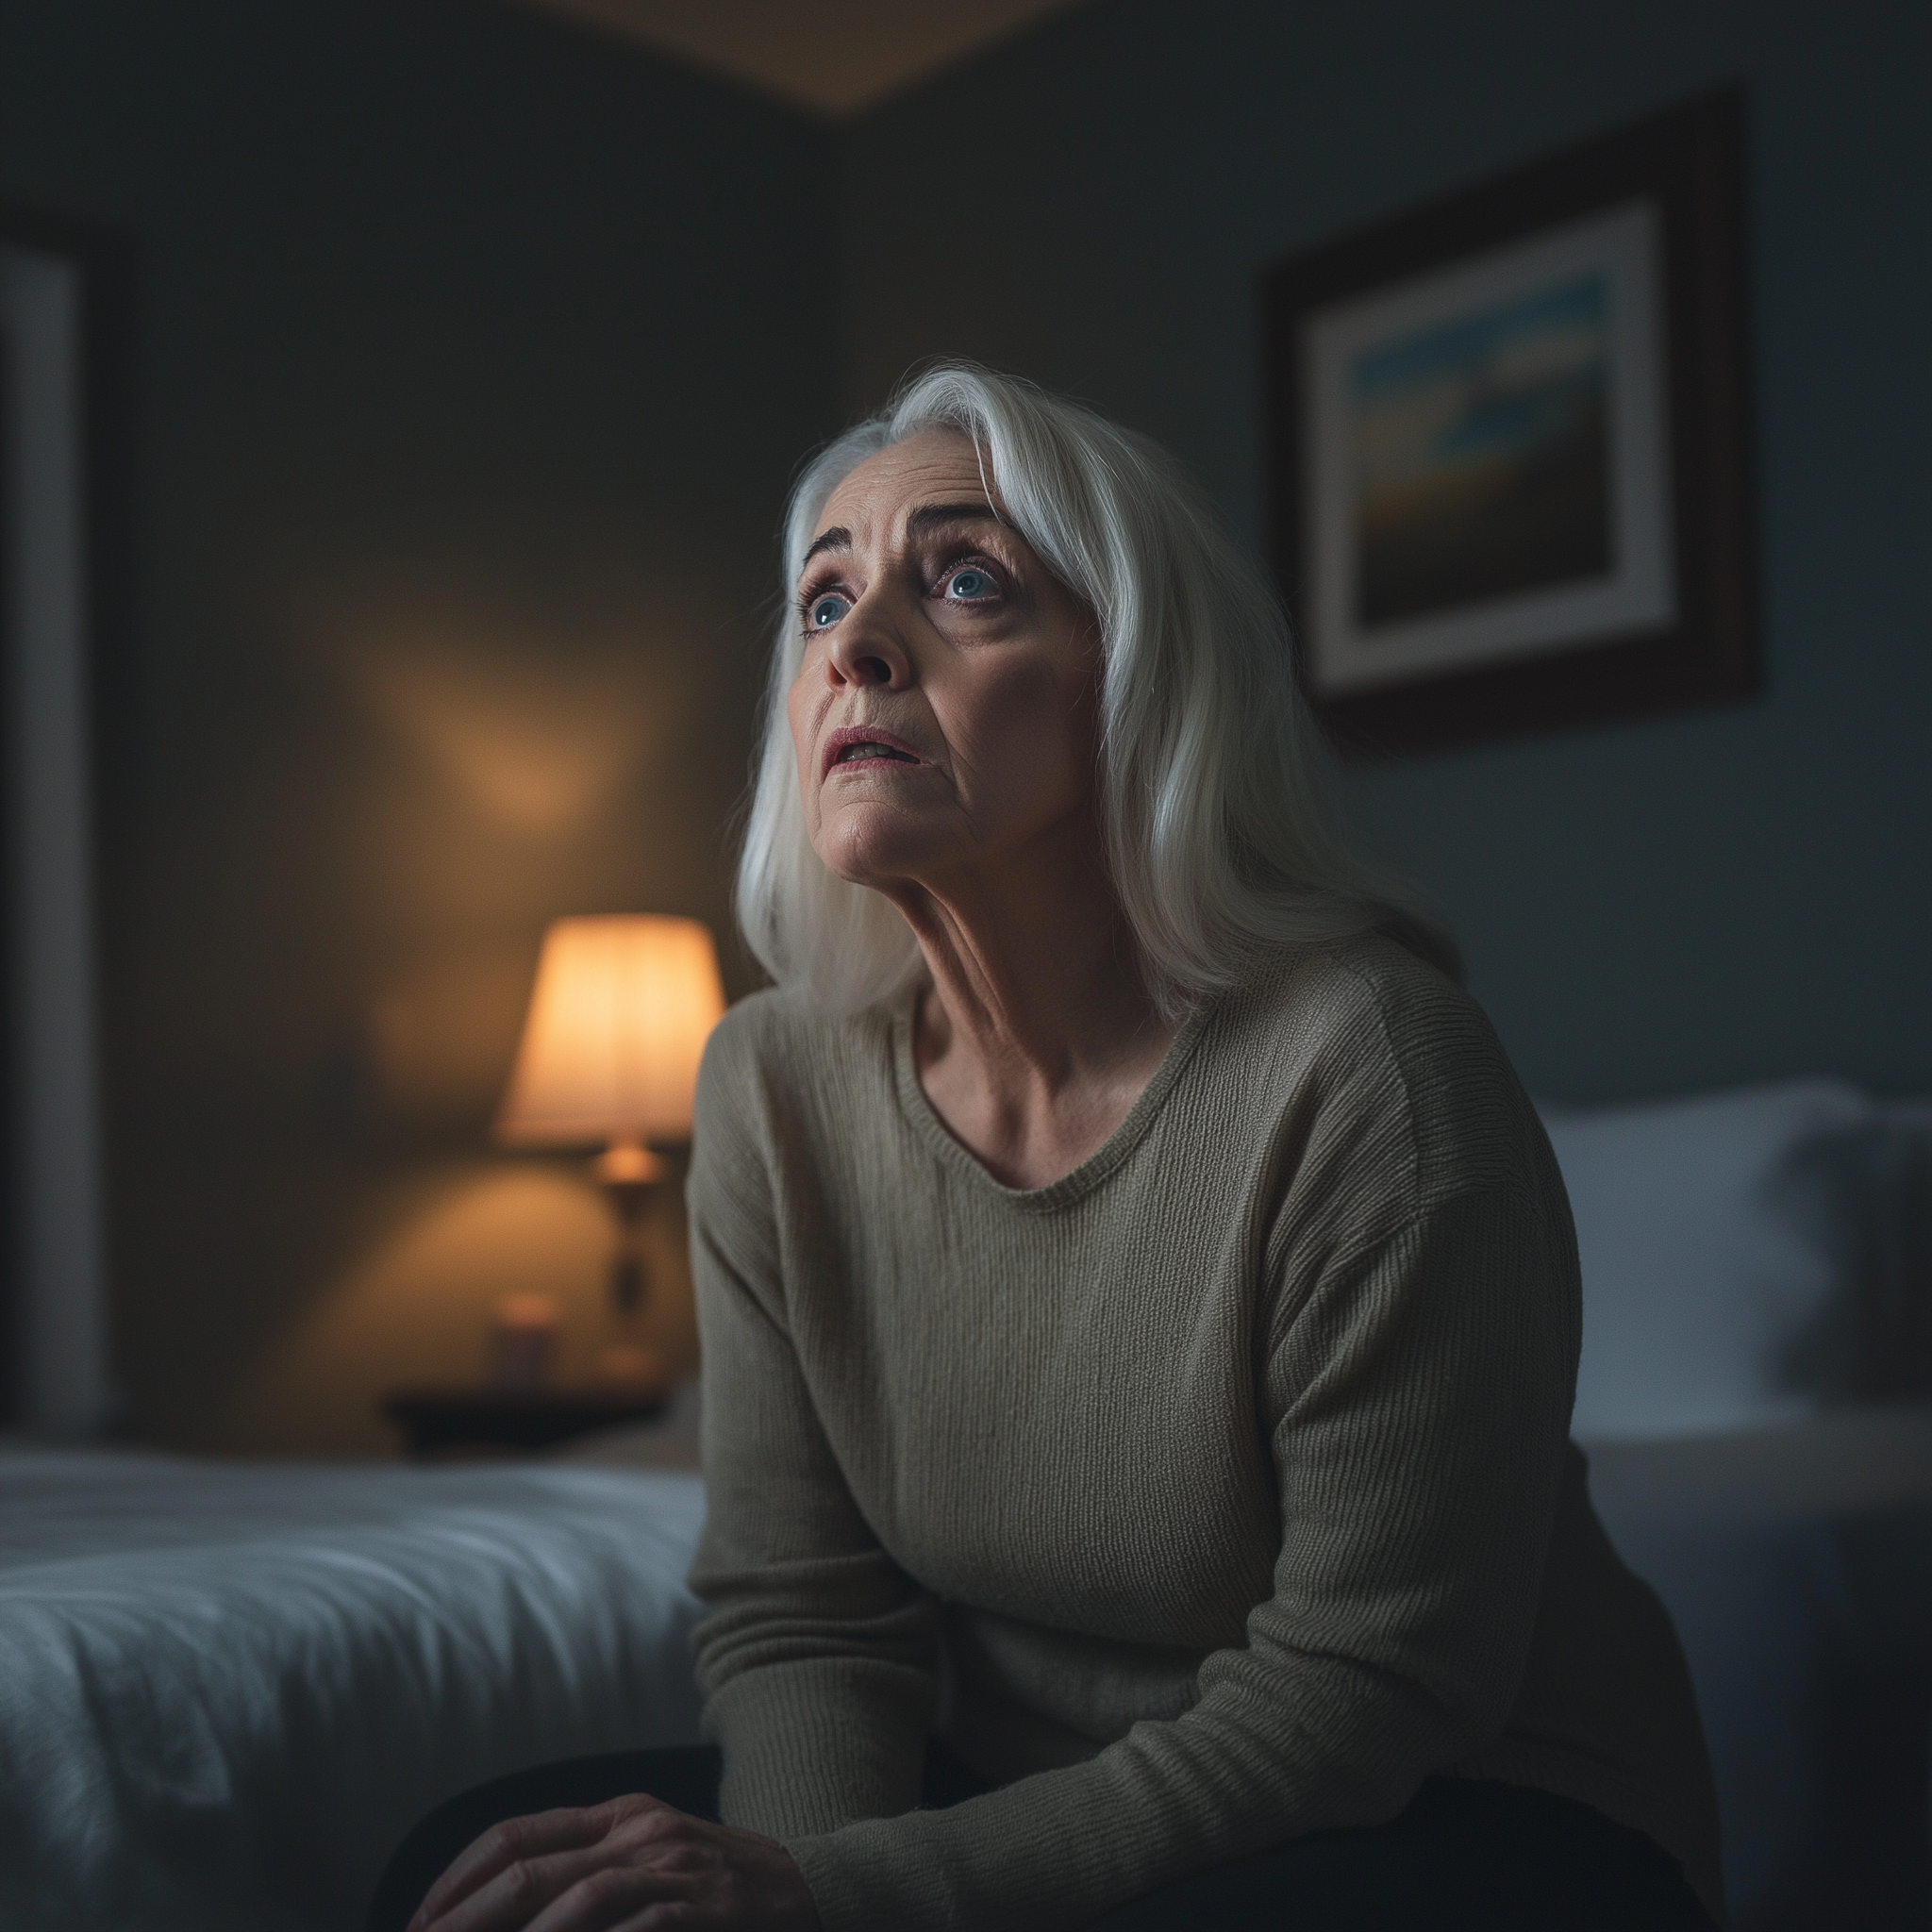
(1655, 907)
(472, 358)
(471, 365)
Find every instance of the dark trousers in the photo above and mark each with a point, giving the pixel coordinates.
(1489, 1858)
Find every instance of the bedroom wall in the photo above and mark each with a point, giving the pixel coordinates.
(1655, 907)
(472, 368)
(471, 374)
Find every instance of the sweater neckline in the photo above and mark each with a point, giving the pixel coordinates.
(1080, 1180)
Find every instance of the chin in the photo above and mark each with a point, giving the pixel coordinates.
(875, 847)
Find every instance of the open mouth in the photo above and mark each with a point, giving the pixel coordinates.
(870, 749)
(867, 746)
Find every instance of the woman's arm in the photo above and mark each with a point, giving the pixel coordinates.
(818, 1656)
(1418, 1400)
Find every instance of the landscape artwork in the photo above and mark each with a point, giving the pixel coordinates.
(1510, 446)
(1481, 455)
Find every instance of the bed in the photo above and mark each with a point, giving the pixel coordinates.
(1797, 1565)
(1757, 1284)
(227, 1689)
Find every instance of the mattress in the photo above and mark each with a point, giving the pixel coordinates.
(1796, 1563)
(227, 1689)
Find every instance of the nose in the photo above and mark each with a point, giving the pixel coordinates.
(864, 650)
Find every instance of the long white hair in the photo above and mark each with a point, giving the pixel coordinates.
(1216, 797)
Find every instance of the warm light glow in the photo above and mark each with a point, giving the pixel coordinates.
(618, 1021)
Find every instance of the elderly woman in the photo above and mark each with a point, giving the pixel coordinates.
(1140, 1305)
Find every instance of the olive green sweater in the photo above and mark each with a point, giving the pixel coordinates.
(1216, 1494)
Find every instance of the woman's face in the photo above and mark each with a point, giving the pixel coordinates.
(946, 711)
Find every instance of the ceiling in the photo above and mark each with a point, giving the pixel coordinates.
(830, 57)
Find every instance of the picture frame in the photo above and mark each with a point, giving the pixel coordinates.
(1509, 447)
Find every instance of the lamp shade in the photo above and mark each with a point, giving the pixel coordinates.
(619, 1016)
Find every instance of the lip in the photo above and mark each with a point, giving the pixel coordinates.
(862, 734)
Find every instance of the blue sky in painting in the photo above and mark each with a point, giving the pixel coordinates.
(1464, 346)
(1496, 382)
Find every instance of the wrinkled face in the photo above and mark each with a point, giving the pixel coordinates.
(946, 711)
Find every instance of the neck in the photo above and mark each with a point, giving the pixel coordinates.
(1038, 1030)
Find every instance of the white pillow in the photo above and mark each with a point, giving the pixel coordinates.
(1717, 1235)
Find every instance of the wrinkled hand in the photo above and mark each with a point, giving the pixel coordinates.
(630, 1865)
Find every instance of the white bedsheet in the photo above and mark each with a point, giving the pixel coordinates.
(227, 1689)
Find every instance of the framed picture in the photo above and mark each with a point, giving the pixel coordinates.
(1509, 447)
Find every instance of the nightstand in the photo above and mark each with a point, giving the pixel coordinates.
(436, 1420)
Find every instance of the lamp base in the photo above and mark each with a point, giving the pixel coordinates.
(627, 1164)
(628, 1170)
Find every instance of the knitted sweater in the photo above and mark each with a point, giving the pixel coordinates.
(1217, 1492)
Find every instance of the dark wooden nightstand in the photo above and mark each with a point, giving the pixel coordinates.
(436, 1420)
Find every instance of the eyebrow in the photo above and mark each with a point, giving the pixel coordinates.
(927, 516)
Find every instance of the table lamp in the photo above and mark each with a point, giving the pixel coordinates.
(619, 1015)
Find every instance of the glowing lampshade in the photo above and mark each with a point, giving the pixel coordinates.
(619, 1017)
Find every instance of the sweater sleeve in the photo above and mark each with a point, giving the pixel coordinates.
(817, 1657)
(1418, 1399)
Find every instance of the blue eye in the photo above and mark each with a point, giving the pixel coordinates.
(969, 583)
(827, 610)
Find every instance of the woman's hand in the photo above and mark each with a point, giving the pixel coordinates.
(630, 1865)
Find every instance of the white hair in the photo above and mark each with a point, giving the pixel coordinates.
(1216, 796)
